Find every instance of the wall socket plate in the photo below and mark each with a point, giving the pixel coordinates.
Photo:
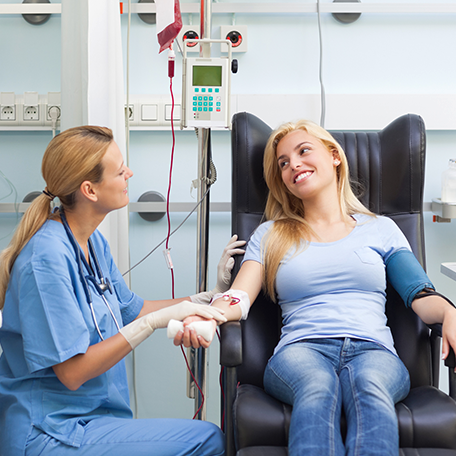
(53, 110)
(145, 110)
(29, 109)
(8, 113)
(31, 113)
(154, 110)
(239, 34)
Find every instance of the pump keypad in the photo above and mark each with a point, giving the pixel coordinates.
(206, 99)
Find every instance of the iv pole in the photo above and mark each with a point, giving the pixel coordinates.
(199, 355)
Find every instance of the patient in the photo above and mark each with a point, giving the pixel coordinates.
(324, 258)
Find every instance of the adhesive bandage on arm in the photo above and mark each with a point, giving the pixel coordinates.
(236, 297)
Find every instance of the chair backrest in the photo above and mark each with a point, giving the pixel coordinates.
(389, 166)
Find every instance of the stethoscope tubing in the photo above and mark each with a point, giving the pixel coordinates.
(101, 287)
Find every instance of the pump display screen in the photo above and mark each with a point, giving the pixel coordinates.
(207, 75)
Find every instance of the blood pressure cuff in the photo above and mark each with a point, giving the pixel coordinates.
(406, 275)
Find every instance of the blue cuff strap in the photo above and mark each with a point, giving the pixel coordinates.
(406, 275)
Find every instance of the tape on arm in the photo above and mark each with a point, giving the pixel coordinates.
(236, 297)
(406, 275)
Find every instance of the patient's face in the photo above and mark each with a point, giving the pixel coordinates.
(307, 166)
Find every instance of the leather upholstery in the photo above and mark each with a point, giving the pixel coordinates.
(282, 451)
(389, 168)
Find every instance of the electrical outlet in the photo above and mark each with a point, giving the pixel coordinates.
(8, 107)
(52, 112)
(30, 108)
(32, 113)
(8, 113)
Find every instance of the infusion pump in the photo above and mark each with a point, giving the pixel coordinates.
(206, 90)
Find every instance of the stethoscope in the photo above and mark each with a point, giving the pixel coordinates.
(102, 286)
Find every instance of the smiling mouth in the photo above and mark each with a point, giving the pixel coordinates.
(302, 176)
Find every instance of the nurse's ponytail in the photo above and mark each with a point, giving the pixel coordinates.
(34, 217)
(71, 158)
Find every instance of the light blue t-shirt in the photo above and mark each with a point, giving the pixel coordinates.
(47, 320)
(336, 289)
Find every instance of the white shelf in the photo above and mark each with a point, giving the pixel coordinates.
(448, 269)
(12, 208)
(443, 210)
(31, 8)
(135, 207)
(175, 207)
(25, 128)
(437, 110)
(253, 8)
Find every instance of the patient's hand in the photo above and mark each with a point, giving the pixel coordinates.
(189, 338)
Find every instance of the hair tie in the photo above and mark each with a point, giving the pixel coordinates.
(49, 194)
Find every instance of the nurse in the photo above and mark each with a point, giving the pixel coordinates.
(69, 319)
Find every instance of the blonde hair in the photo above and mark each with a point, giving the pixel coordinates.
(71, 158)
(287, 210)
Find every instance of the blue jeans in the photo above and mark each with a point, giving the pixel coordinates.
(110, 436)
(320, 376)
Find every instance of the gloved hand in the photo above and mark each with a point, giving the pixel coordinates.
(139, 330)
(224, 268)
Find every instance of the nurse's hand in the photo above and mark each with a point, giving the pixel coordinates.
(140, 329)
(224, 269)
(189, 338)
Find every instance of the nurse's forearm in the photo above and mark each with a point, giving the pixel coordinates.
(152, 306)
(95, 361)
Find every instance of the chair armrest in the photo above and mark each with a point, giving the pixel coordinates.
(450, 360)
(231, 344)
(230, 358)
(436, 328)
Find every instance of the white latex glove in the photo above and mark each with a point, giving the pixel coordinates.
(224, 269)
(139, 330)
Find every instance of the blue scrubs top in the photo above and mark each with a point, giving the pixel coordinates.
(47, 320)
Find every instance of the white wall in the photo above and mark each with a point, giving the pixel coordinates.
(379, 54)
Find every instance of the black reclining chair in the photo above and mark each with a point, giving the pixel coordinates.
(389, 165)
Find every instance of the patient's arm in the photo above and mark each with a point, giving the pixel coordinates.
(435, 309)
(249, 280)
